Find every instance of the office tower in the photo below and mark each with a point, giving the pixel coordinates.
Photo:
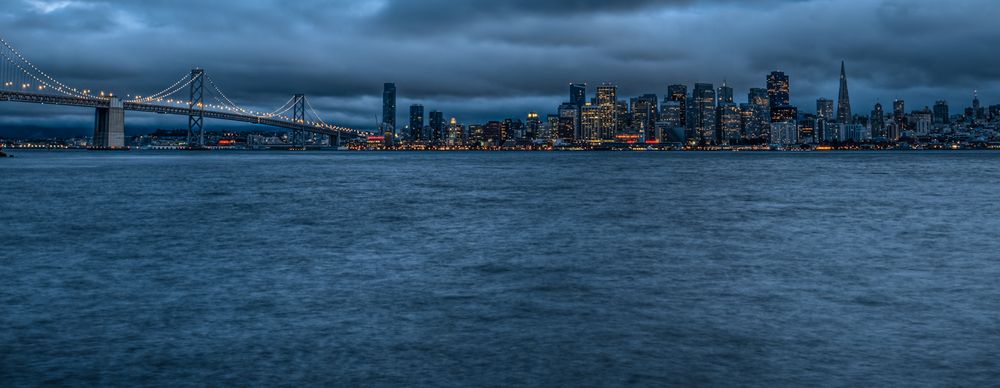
(437, 126)
(877, 121)
(825, 127)
(824, 109)
(493, 133)
(778, 89)
(704, 112)
(784, 113)
(389, 107)
(994, 112)
(725, 95)
(729, 123)
(416, 122)
(679, 93)
(456, 135)
(784, 133)
(672, 114)
(533, 125)
(941, 112)
(590, 123)
(645, 113)
(569, 124)
(578, 95)
(607, 101)
(760, 114)
(899, 114)
(977, 109)
(844, 115)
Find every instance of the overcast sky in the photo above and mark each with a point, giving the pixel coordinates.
(490, 59)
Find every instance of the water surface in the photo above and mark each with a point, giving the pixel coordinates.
(496, 269)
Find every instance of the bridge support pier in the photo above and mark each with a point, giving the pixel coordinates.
(109, 126)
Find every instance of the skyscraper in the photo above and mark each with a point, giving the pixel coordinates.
(778, 89)
(389, 107)
(760, 114)
(844, 115)
(704, 112)
(645, 112)
(607, 101)
(437, 126)
(899, 114)
(679, 93)
(941, 112)
(416, 122)
(878, 122)
(825, 127)
(728, 121)
(569, 116)
(578, 95)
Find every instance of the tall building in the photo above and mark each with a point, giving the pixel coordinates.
(569, 124)
(977, 108)
(389, 107)
(877, 121)
(760, 114)
(825, 127)
(899, 114)
(704, 112)
(844, 115)
(679, 93)
(672, 114)
(778, 89)
(416, 122)
(784, 113)
(728, 123)
(533, 125)
(578, 94)
(941, 112)
(725, 94)
(645, 113)
(437, 126)
(590, 123)
(607, 101)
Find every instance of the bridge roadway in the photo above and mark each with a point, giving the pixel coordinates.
(105, 103)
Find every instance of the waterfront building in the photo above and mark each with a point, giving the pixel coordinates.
(533, 125)
(704, 112)
(877, 122)
(844, 115)
(678, 93)
(607, 102)
(569, 122)
(437, 127)
(778, 89)
(645, 113)
(389, 108)
(824, 126)
(590, 123)
(760, 114)
(784, 133)
(416, 122)
(941, 114)
(578, 95)
(899, 114)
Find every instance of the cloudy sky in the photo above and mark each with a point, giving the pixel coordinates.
(490, 59)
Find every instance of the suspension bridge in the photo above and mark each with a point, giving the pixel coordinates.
(25, 82)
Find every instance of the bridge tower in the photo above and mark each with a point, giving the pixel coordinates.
(299, 118)
(109, 125)
(196, 105)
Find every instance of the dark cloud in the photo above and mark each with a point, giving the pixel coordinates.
(479, 60)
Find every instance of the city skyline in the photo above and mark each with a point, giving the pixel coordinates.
(478, 84)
